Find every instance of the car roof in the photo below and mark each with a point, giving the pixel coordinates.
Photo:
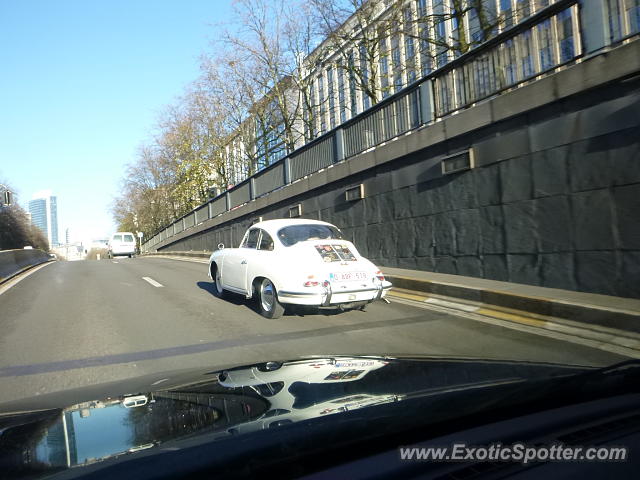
(272, 226)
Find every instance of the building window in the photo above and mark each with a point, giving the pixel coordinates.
(409, 46)
(321, 102)
(311, 120)
(509, 62)
(384, 67)
(615, 20)
(440, 34)
(565, 35)
(364, 68)
(397, 64)
(410, 54)
(506, 13)
(474, 28)
(425, 53)
(633, 14)
(352, 85)
(342, 107)
(545, 45)
(526, 57)
(523, 8)
(332, 98)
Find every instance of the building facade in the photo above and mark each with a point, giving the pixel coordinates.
(388, 45)
(43, 209)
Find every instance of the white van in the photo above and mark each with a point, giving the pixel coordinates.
(122, 243)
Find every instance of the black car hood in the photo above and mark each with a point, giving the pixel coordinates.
(74, 430)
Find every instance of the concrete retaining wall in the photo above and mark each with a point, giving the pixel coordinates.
(13, 262)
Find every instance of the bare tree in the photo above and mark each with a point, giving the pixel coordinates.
(272, 39)
(16, 231)
(362, 37)
(480, 16)
(357, 32)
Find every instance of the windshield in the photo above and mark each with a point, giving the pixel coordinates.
(301, 233)
(206, 185)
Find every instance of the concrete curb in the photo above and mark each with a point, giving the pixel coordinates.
(591, 314)
(14, 262)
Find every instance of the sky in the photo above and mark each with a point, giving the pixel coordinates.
(82, 84)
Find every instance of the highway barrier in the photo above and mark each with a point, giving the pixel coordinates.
(13, 262)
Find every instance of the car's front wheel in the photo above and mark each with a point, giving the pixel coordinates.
(218, 291)
(268, 302)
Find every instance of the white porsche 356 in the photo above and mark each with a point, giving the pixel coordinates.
(296, 261)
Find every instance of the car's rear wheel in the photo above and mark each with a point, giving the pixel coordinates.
(268, 302)
(218, 291)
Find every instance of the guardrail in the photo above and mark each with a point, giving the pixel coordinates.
(539, 45)
(13, 262)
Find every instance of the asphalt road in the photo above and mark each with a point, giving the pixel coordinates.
(80, 323)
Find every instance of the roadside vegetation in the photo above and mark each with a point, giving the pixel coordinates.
(17, 232)
(256, 98)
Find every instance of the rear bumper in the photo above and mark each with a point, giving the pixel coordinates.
(123, 251)
(327, 297)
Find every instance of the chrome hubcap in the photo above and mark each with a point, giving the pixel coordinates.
(267, 295)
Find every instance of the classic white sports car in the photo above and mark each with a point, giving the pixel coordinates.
(296, 261)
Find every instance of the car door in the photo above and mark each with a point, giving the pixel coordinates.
(235, 266)
(262, 260)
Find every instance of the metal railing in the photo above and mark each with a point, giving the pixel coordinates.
(539, 45)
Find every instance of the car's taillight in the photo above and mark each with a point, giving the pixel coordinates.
(380, 276)
(310, 282)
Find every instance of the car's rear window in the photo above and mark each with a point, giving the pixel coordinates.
(300, 233)
(117, 238)
(128, 238)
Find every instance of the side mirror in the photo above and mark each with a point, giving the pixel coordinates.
(220, 246)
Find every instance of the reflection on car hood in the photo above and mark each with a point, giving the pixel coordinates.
(236, 401)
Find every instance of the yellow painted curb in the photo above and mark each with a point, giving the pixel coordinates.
(408, 296)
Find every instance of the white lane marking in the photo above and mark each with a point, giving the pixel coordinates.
(113, 261)
(192, 260)
(159, 381)
(453, 305)
(152, 281)
(21, 276)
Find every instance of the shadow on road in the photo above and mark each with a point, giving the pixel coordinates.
(291, 311)
(230, 297)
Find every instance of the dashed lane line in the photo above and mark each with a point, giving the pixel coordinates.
(152, 282)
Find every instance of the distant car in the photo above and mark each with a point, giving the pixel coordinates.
(122, 243)
(27, 247)
(100, 244)
(295, 261)
(53, 256)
